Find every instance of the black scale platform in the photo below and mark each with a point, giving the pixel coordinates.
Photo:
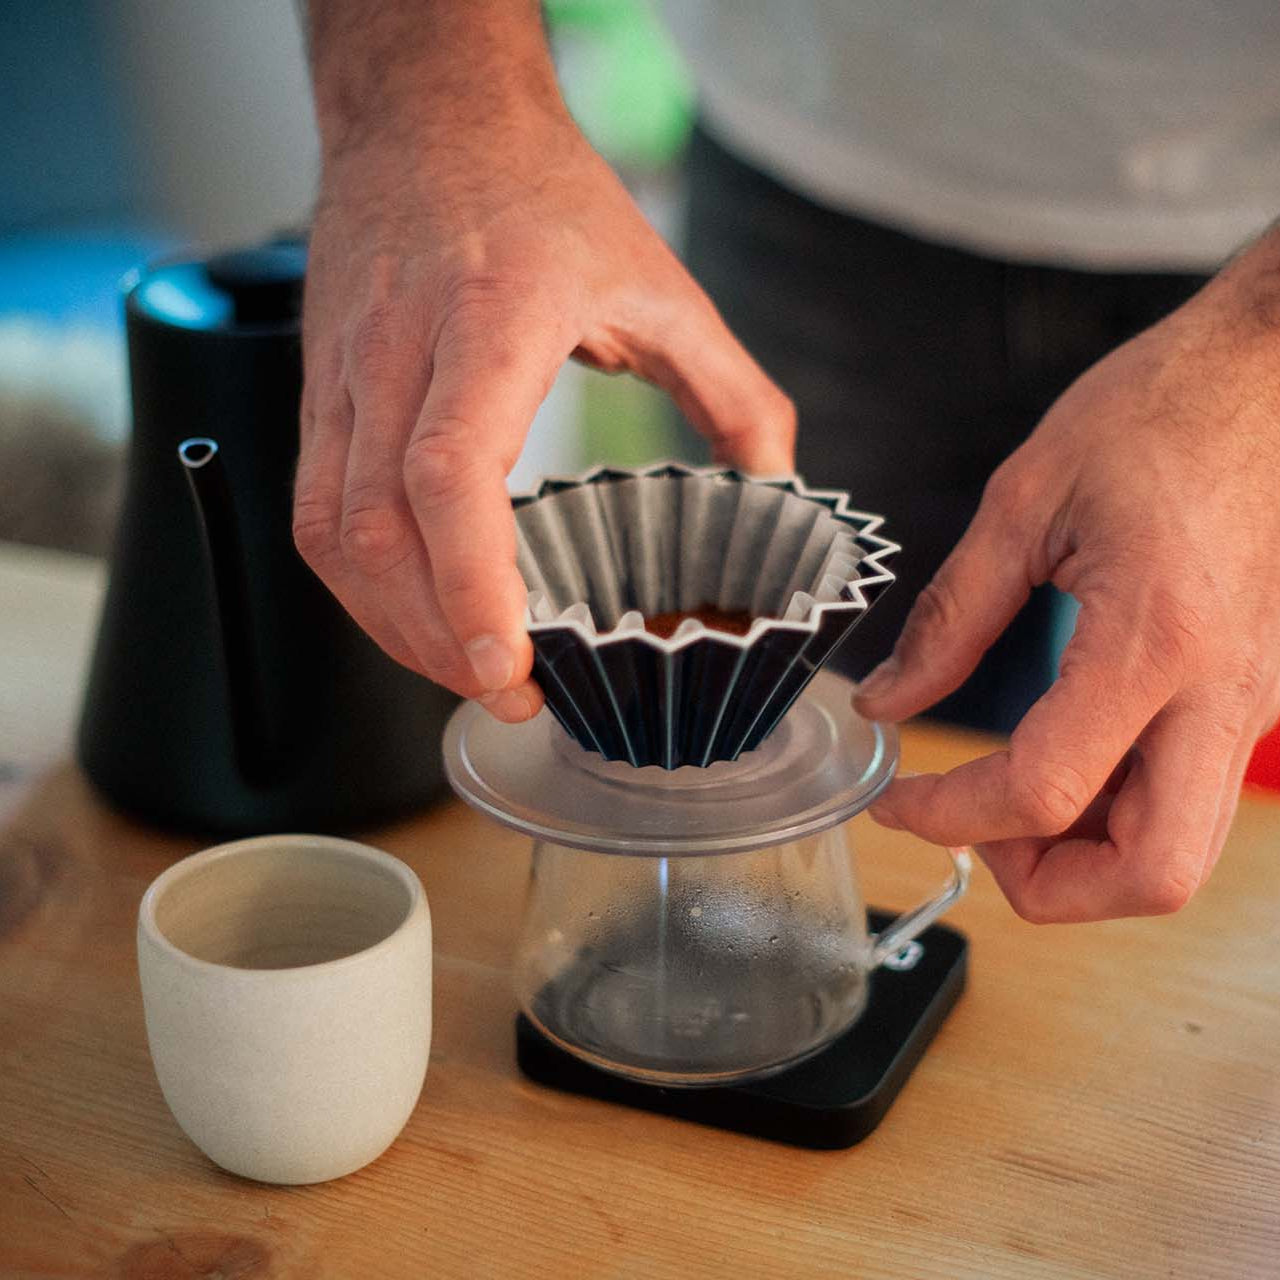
(834, 1099)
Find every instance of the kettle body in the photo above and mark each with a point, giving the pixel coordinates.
(229, 692)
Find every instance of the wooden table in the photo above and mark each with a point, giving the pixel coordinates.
(1105, 1101)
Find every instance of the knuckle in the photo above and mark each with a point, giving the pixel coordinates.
(1169, 887)
(374, 538)
(1247, 683)
(438, 465)
(477, 299)
(1174, 637)
(375, 336)
(315, 524)
(1026, 905)
(1011, 489)
(1047, 798)
(936, 610)
(459, 587)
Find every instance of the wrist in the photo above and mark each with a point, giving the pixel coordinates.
(1245, 294)
(406, 74)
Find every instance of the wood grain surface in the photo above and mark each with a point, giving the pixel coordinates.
(1104, 1102)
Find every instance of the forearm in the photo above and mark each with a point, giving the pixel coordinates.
(424, 69)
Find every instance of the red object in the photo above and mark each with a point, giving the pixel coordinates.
(1264, 766)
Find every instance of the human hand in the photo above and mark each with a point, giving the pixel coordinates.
(456, 262)
(1149, 493)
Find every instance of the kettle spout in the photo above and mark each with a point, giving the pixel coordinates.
(202, 461)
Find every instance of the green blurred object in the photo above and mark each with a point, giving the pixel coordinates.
(622, 79)
(626, 423)
(629, 92)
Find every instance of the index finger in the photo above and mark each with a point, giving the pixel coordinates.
(485, 388)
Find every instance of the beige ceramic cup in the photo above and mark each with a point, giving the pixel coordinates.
(286, 982)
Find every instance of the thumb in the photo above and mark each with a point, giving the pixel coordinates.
(972, 598)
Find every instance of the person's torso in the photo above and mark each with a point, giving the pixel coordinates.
(1101, 134)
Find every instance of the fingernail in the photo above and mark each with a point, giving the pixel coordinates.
(508, 705)
(880, 681)
(492, 661)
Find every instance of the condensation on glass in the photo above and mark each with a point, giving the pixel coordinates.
(702, 925)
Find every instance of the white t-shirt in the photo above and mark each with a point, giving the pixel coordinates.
(1101, 133)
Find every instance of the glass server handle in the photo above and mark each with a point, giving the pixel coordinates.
(890, 941)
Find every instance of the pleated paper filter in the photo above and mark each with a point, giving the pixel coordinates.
(625, 569)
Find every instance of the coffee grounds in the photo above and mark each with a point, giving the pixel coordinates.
(665, 624)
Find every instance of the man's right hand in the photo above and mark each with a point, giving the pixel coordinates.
(467, 242)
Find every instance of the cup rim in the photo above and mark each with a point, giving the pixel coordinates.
(149, 928)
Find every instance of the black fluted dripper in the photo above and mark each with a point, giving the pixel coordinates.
(604, 553)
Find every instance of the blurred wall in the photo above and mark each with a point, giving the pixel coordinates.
(131, 128)
(65, 153)
(220, 109)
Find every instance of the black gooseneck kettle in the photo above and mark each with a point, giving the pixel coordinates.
(229, 692)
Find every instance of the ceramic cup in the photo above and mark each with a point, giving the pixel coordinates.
(286, 982)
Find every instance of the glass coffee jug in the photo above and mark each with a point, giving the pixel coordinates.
(697, 926)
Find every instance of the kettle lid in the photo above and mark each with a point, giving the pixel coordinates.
(256, 288)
